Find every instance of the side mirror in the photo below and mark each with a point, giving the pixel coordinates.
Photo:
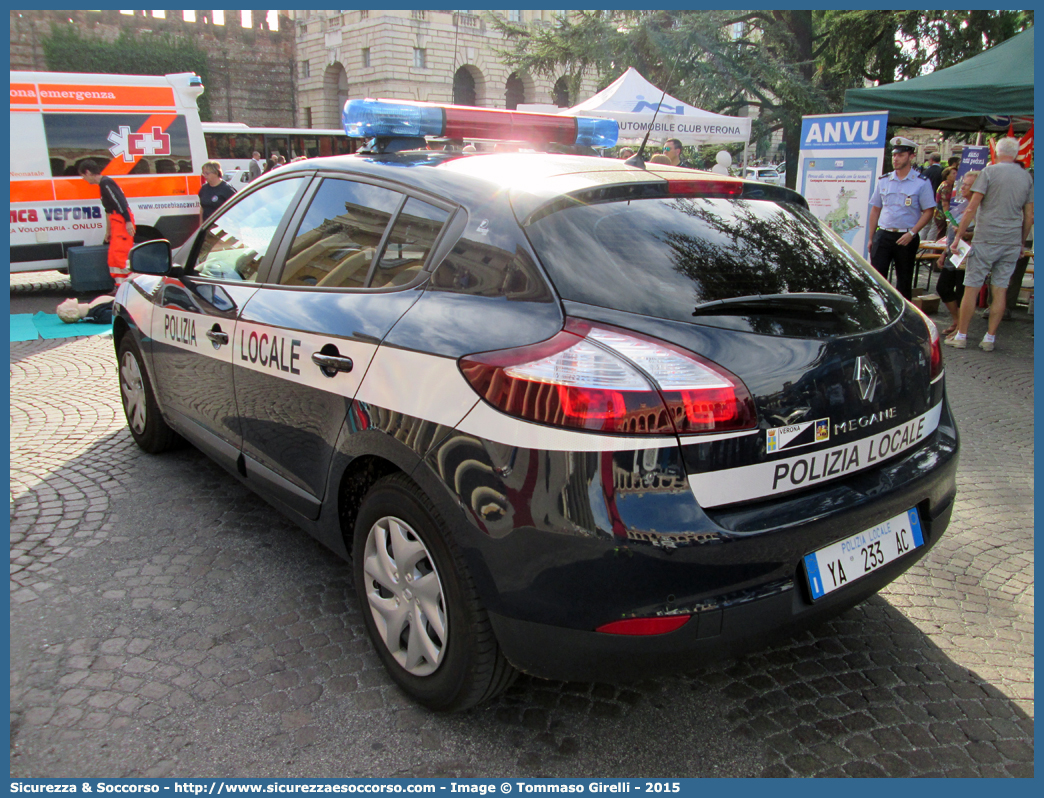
(151, 257)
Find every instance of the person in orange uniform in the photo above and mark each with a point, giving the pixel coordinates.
(119, 221)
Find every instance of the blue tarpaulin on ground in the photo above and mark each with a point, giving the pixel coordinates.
(50, 326)
(22, 328)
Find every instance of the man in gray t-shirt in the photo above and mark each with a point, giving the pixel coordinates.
(1002, 209)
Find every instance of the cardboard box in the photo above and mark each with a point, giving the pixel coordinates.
(927, 303)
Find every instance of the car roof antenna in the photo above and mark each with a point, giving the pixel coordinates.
(638, 159)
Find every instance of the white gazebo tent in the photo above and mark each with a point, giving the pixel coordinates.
(632, 100)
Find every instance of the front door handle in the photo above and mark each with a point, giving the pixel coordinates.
(331, 364)
(219, 338)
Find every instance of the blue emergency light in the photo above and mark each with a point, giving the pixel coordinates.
(381, 119)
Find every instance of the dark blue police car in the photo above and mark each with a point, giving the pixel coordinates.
(571, 416)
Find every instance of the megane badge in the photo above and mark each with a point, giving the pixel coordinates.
(866, 378)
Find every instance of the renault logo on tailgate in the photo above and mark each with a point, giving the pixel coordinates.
(866, 378)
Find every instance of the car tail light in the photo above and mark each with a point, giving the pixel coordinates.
(603, 379)
(645, 626)
(934, 346)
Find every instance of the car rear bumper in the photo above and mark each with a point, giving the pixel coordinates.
(738, 571)
(736, 624)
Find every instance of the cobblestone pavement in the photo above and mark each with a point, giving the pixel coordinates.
(35, 282)
(166, 622)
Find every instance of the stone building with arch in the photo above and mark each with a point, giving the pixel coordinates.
(423, 55)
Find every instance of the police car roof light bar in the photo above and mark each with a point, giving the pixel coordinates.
(383, 119)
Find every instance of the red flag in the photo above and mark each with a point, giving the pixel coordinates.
(1026, 148)
(1011, 129)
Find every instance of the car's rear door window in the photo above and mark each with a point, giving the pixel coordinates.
(338, 238)
(414, 234)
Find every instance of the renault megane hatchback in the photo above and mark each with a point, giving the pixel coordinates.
(580, 418)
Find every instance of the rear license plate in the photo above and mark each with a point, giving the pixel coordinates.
(847, 560)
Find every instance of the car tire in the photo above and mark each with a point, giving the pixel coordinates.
(144, 420)
(454, 662)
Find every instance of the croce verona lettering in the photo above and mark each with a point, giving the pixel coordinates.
(57, 214)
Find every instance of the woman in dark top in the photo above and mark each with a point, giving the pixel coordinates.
(214, 190)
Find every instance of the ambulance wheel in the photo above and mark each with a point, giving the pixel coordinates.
(147, 426)
(419, 602)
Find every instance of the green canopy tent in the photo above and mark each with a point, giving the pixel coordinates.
(998, 82)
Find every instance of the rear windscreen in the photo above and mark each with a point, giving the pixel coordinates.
(665, 256)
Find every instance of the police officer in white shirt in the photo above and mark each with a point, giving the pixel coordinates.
(903, 204)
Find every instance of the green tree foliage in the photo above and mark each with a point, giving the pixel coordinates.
(785, 63)
(946, 38)
(66, 50)
(886, 46)
(718, 60)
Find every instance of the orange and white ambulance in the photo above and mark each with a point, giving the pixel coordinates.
(145, 133)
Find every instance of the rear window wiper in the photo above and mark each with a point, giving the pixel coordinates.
(766, 303)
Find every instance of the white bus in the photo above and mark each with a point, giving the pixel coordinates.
(232, 143)
(141, 130)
